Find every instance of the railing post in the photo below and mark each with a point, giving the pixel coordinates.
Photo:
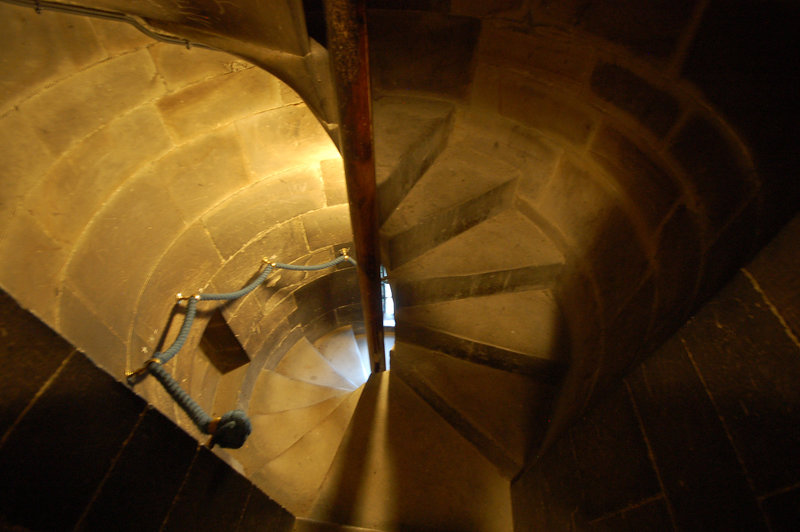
(347, 45)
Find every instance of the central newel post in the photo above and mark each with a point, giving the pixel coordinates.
(347, 44)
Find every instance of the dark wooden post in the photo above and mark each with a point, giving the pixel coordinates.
(347, 44)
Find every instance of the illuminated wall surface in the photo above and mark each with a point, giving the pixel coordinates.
(561, 186)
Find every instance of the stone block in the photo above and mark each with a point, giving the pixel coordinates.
(750, 367)
(186, 266)
(283, 243)
(129, 499)
(25, 159)
(263, 205)
(212, 497)
(775, 269)
(68, 111)
(48, 469)
(31, 266)
(715, 169)
(654, 108)
(647, 184)
(192, 172)
(700, 472)
(118, 37)
(333, 177)
(121, 247)
(576, 203)
(329, 226)
(283, 138)
(228, 388)
(783, 510)
(218, 101)
(649, 515)
(546, 52)
(533, 105)
(485, 89)
(29, 353)
(438, 59)
(39, 49)
(651, 30)
(78, 185)
(85, 330)
(180, 66)
(678, 264)
(264, 513)
(613, 460)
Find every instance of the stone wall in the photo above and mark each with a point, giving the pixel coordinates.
(81, 451)
(701, 436)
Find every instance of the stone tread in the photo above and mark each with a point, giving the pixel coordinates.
(458, 175)
(306, 525)
(274, 433)
(303, 362)
(526, 322)
(340, 348)
(402, 126)
(506, 241)
(274, 393)
(470, 396)
(294, 477)
(402, 467)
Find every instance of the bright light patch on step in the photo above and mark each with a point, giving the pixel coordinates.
(388, 302)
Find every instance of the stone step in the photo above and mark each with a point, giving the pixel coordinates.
(293, 478)
(340, 348)
(303, 362)
(307, 525)
(274, 433)
(503, 414)
(462, 188)
(274, 393)
(388, 343)
(402, 467)
(528, 322)
(505, 253)
(409, 134)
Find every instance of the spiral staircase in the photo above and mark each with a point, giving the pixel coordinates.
(521, 285)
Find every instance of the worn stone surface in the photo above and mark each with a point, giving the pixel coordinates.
(31, 266)
(28, 349)
(333, 178)
(21, 170)
(654, 108)
(648, 185)
(39, 49)
(78, 185)
(67, 111)
(524, 100)
(283, 138)
(144, 458)
(329, 226)
(118, 37)
(122, 245)
(263, 512)
(263, 205)
(775, 270)
(212, 103)
(750, 368)
(85, 330)
(50, 470)
(213, 496)
(651, 30)
(697, 464)
(200, 174)
(721, 183)
(437, 60)
(546, 50)
(180, 66)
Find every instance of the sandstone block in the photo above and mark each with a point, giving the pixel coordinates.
(333, 177)
(181, 67)
(119, 37)
(262, 205)
(219, 100)
(328, 226)
(73, 108)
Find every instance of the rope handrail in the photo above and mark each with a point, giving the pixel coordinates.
(232, 428)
